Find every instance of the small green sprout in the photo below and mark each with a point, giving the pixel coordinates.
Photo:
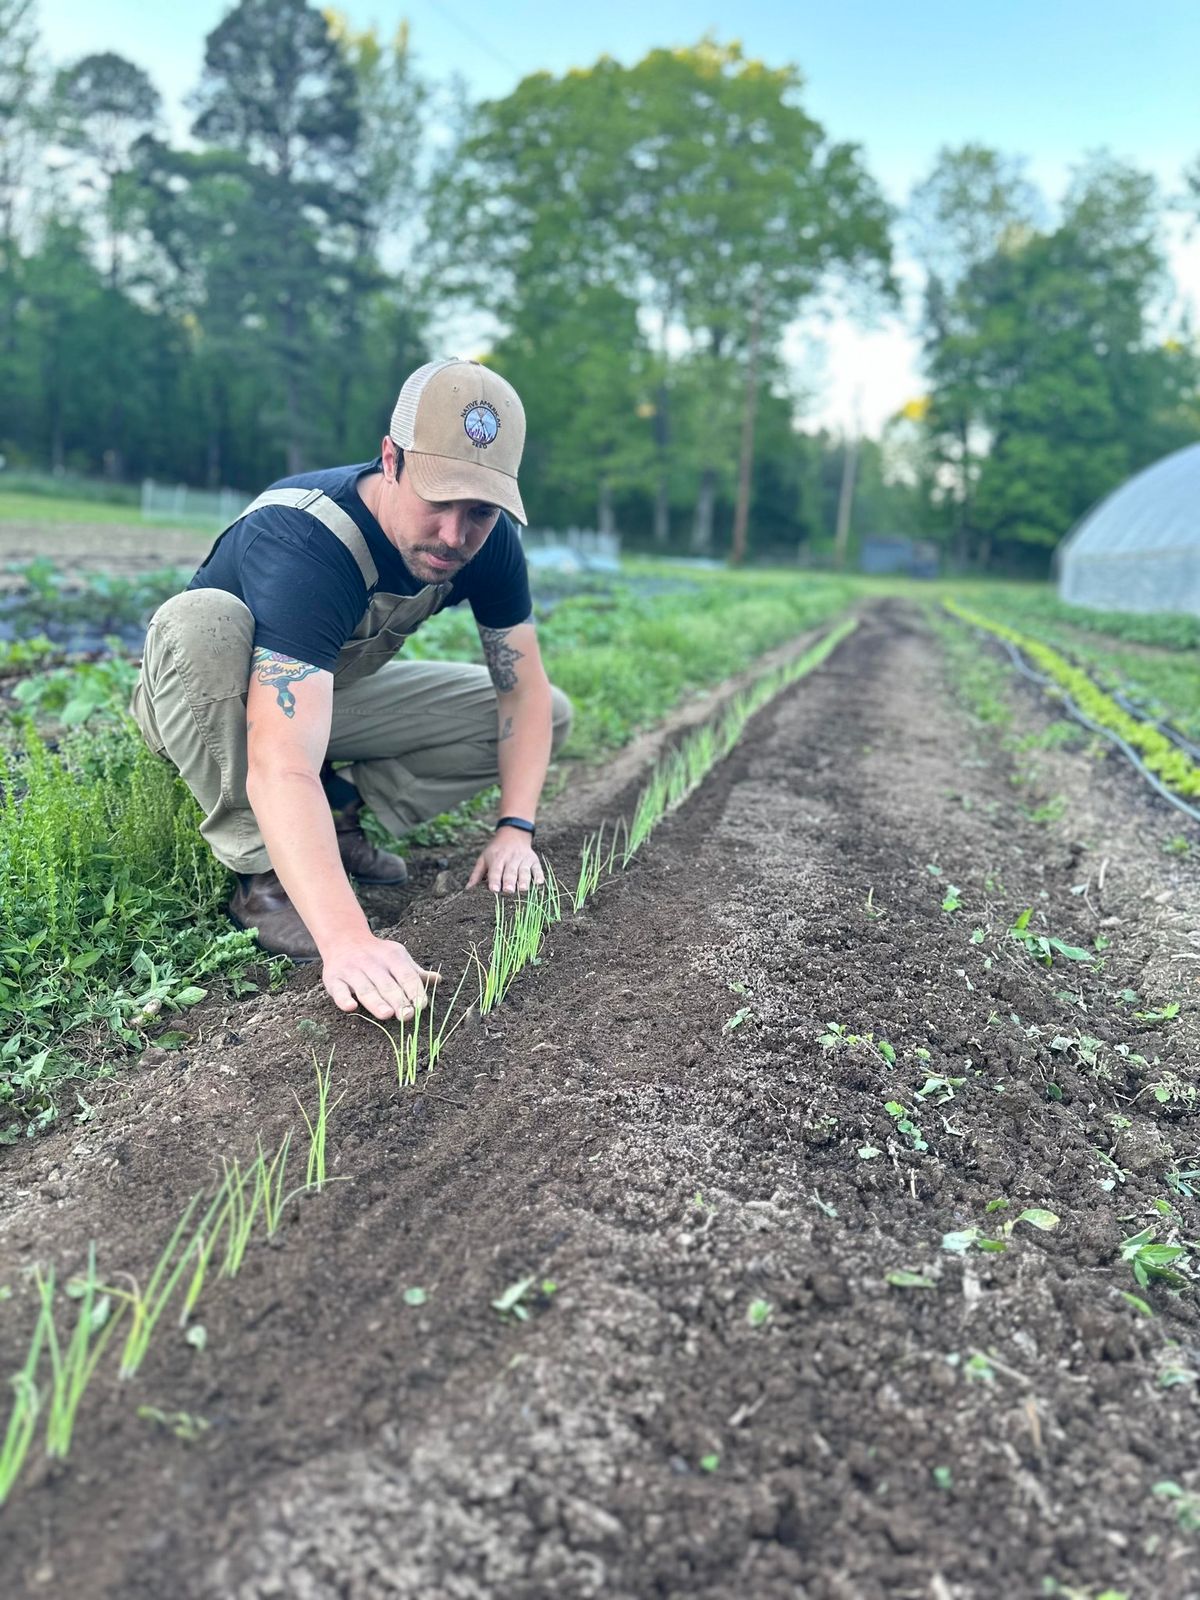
(415, 1297)
(903, 1279)
(742, 1014)
(953, 899)
(758, 1312)
(1153, 1262)
(513, 1301)
(710, 1462)
(1166, 1013)
(943, 1477)
(1187, 1505)
(182, 1424)
(906, 1125)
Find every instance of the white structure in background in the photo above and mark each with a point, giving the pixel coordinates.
(1139, 549)
(217, 507)
(576, 550)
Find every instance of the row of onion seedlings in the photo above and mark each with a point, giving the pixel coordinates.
(209, 1238)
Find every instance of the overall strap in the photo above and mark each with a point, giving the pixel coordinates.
(340, 523)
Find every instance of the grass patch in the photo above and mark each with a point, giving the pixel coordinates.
(26, 507)
(111, 914)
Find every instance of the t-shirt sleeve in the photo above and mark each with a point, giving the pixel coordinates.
(303, 587)
(499, 592)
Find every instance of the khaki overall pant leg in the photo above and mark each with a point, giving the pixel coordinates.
(420, 735)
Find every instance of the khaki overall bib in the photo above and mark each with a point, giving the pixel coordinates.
(421, 734)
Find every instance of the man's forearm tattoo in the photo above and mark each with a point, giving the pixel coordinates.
(505, 731)
(279, 672)
(501, 657)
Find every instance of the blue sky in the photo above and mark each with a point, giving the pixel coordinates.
(1048, 80)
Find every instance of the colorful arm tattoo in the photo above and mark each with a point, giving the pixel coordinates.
(279, 672)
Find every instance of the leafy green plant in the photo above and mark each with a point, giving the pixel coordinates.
(1043, 947)
(906, 1125)
(111, 911)
(1187, 1505)
(1153, 1262)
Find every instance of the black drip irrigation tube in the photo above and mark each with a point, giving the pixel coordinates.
(1084, 720)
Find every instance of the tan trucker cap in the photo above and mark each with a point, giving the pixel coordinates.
(462, 429)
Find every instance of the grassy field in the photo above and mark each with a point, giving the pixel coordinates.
(40, 508)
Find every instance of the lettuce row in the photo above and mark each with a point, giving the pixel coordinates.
(1157, 752)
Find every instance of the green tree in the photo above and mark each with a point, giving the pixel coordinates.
(101, 106)
(693, 182)
(581, 365)
(1053, 356)
(20, 115)
(974, 202)
(279, 93)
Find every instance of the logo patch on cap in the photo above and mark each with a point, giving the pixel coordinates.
(481, 423)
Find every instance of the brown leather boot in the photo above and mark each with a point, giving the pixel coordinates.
(359, 856)
(263, 905)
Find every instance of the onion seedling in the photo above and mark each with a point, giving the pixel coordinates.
(314, 1177)
(146, 1308)
(71, 1372)
(238, 1215)
(405, 1048)
(516, 941)
(591, 864)
(22, 1419)
(272, 1182)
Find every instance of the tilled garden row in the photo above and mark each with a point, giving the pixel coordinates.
(754, 1132)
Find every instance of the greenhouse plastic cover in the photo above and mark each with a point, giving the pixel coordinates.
(1139, 549)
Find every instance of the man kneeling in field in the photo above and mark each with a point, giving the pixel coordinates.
(277, 662)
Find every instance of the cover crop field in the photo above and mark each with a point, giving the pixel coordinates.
(798, 1198)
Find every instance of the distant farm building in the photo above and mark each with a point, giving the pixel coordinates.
(1139, 549)
(883, 554)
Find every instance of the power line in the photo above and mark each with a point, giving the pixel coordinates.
(477, 38)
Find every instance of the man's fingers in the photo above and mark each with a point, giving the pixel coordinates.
(341, 994)
(477, 872)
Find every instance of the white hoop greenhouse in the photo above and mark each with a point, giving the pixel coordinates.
(1139, 549)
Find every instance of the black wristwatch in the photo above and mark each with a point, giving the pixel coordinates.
(518, 822)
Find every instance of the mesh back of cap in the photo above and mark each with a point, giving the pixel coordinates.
(404, 415)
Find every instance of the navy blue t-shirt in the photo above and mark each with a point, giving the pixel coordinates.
(305, 589)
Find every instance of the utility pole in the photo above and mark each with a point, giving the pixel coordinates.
(741, 516)
(845, 508)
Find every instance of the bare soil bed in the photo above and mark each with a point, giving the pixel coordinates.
(120, 549)
(653, 1123)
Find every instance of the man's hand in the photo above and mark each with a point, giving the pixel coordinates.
(380, 974)
(509, 863)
